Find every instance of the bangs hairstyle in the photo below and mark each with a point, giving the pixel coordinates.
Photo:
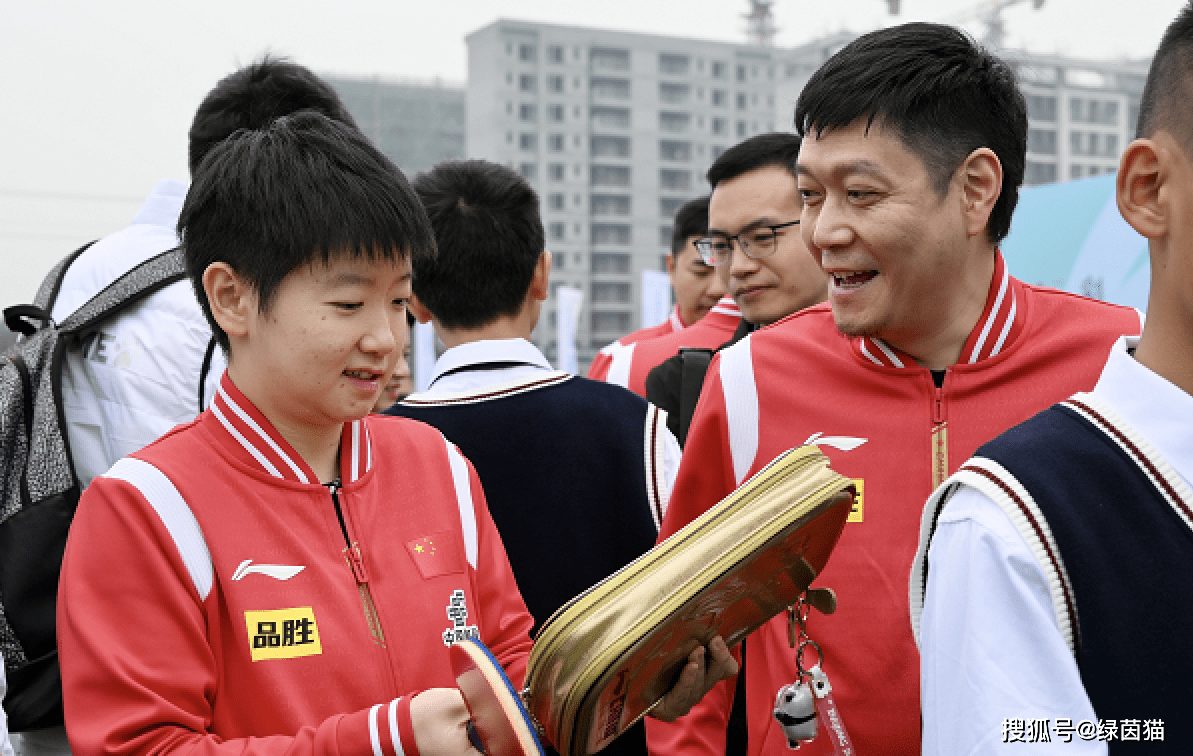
(690, 220)
(774, 148)
(305, 189)
(938, 91)
(490, 237)
(1169, 87)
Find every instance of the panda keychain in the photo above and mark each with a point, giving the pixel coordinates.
(802, 704)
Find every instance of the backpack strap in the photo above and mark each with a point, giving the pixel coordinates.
(150, 276)
(47, 293)
(693, 365)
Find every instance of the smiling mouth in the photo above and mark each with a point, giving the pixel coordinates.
(362, 375)
(853, 280)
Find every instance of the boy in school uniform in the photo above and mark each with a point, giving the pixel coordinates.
(285, 574)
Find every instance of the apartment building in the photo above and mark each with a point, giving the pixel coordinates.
(615, 131)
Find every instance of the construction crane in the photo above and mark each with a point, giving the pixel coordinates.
(760, 23)
(988, 12)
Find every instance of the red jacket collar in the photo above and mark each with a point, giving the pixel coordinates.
(252, 438)
(1000, 323)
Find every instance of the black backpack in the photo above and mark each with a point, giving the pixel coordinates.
(38, 485)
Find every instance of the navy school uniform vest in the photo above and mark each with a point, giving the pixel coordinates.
(1123, 537)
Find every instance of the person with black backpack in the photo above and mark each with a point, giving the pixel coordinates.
(115, 352)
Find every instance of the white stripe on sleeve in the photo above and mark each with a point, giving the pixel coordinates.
(175, 514)
(464, 500)
(741, 405)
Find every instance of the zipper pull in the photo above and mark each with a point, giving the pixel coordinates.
(938, 407)
(352, 554)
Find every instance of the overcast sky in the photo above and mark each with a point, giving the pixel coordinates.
(98, 95)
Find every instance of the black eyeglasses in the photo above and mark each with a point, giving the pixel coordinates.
(756, 244)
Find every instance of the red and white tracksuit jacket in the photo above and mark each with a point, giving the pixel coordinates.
(880, 420)
(628, 365)
(603, 361)
(210, 604)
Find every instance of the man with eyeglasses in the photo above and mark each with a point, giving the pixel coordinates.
(914, 148)
(754, 245)
(754, 198)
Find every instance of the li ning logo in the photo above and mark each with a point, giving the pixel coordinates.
(457, 612)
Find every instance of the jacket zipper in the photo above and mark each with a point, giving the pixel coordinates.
(357, 565)
(939, 437)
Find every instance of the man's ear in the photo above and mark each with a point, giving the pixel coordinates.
(231, 299)
(981, 177)
(539, 284)
(670, 264)
(419, 310)
(1138, 188)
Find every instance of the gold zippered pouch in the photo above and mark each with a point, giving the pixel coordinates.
(607, 656)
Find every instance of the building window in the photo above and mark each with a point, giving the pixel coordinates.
(509, 137)
(1039, 173)
(673, 64)
(611, 291)
(673, 93)
(555, 83)
(741, 72)
(664, 241)
(610, 175)
(611, 233)
(555, 54)
(676, 123)
(670, 149)
(528, 53)
(607, 262)
(719, 69)
(742, 103)
(606, 117)
(720, 126)
(529, 171)
(528, 141)
(1110, 145)
(557, 201)
(610, 204)
(555, 113)
(676, 181)
(527, 83)
(669, 206)
(559, 260)
(609, 59)
(1041, 141)
(1041, 107)
(1075, 171)
(576, 140)
(610, 146)
(720, 98)
(741, 129)
(558, 231)
(611, 322)
(555, 142)
(716, 151)
(617, 89)
(528, 112)
(556, 171)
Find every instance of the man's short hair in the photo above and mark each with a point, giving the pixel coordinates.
(774, 148)
(690, 220)
(303, 189)
(487, 228)
(938, 91)
(255, 95)
(1169, 87)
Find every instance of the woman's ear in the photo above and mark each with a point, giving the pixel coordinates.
(231, 299)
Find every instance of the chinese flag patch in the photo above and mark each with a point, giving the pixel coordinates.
(437, 554)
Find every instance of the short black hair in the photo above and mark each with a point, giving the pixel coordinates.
(255, 95)
(303, 189)
(1169, 87)
(489, 235)
(941, 93)
(774, 148)
(690, 220)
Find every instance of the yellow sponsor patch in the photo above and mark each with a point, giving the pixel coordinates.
(859, 502)
(282, 633)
